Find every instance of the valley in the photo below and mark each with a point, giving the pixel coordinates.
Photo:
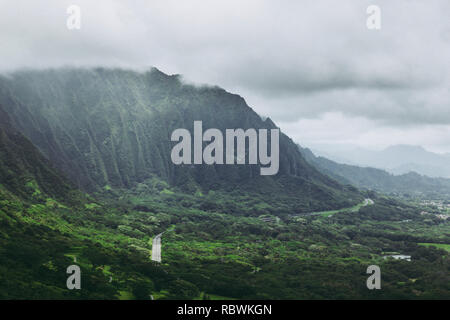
(86, 178)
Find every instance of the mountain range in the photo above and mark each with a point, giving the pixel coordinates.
(86, 178)
(407, 184)
(396, 159)
(111, 128)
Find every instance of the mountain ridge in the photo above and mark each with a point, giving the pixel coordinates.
(112, 127)
(379, 180)
(397, 159)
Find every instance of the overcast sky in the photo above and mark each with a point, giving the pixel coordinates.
(312, 66)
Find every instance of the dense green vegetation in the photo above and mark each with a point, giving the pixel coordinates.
(43, 228)
(437, 245)
(230, 233)
(232, 256)
(310, 257)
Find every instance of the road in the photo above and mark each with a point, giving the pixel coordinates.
(156, 248)
(366, 202)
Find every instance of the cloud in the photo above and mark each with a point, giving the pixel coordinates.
(362, 132)
(291, 60)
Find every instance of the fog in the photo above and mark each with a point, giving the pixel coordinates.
(312, 66)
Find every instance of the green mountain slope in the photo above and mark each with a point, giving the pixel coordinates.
(24, 171)
(45, 223)
(107, 127)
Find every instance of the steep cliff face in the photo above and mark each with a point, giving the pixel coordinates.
(113, 127)
(25, 172)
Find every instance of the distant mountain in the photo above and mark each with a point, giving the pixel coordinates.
(398, 159)
(112, 128)
(379, 180)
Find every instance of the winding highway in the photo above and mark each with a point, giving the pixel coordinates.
(366, 202)
(156, 248)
